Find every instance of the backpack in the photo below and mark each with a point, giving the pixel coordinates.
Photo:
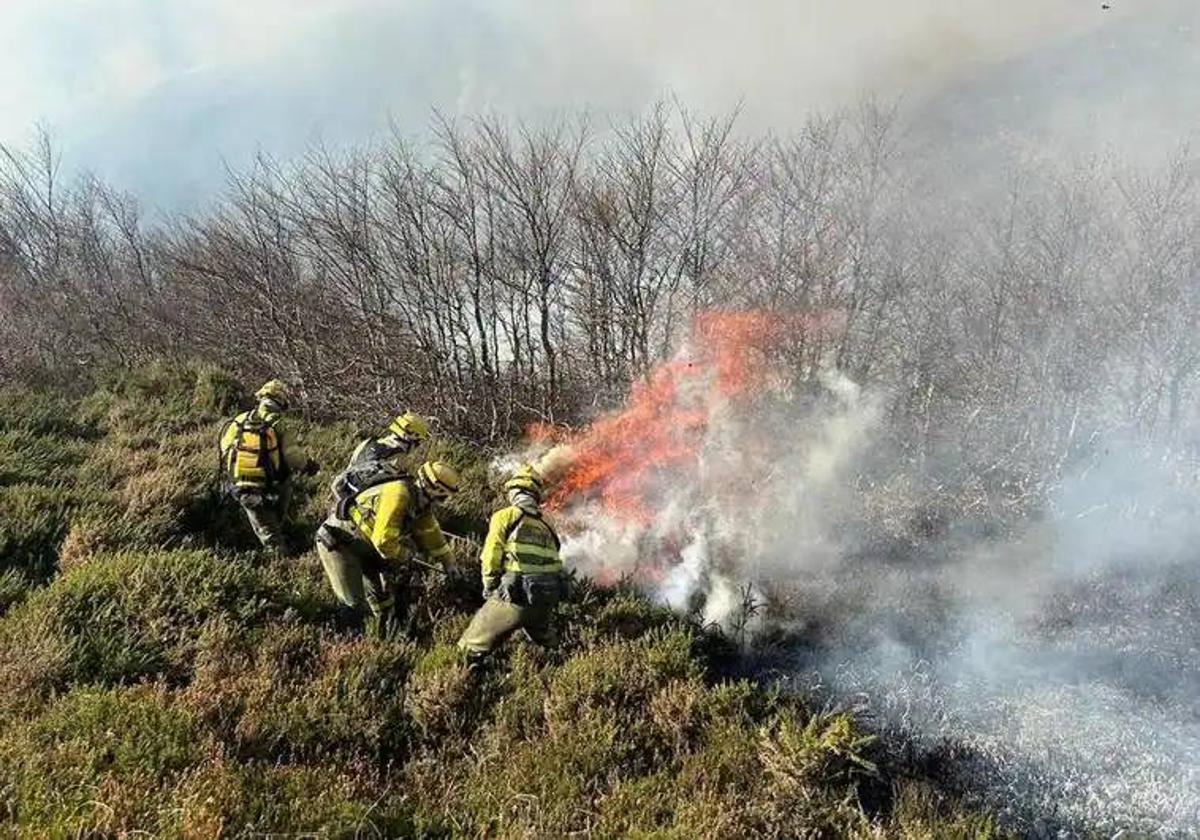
(254, 459)
(360, 477)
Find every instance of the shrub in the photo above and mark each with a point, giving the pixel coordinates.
(824, 748)
(33, 521)
(40, 413)
(90, 533)
(923, 813)
(28, 458)
(305, 696)
(440, 694)
(160, 399)
(621, 616)
(133, 615)
(216, 393)
(619, 677)
(97, 761)
(255, 799)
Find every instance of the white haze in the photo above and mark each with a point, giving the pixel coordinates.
(1049, 674)
(158, 95)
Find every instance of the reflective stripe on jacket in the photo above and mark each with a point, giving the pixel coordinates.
(519, 541)
(388, 513)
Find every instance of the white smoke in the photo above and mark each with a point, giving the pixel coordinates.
(1049, 673)
(752, 511)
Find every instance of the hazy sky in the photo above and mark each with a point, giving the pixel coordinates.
(156, 94)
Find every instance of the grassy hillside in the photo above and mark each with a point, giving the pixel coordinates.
(159, 677)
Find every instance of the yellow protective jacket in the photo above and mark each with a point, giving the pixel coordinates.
(521, 541)
(289, 456)
(388, 513)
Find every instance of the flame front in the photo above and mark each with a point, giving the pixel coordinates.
(671, 490)
(626, 459)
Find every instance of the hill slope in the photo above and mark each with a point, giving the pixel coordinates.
(158, 676)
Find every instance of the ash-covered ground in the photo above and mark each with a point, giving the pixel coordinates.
(1076, 714)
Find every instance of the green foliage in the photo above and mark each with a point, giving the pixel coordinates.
(29, 458)
(33, 522)
(96, 761)
(297, 694)
(39, 413)
(922, 813)
(215, 392)
(155, 678)
(623, 616)
(253, 799)
(130, 616)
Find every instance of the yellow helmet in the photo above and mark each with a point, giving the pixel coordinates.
(525, 477)
(438, 479)
(410, 427)
(275, 390)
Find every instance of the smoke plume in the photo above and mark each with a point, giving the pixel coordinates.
(1044, 668)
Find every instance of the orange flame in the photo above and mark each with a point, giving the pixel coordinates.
(624, 458)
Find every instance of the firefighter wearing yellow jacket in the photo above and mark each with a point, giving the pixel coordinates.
(522, 573)
(404, 434)
(377, 459)
(260, 454)
(364, 544)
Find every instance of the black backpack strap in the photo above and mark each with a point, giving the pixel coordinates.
(344, 504)
(274, 474)
(514, 525)
(284, 470)
(225, 456)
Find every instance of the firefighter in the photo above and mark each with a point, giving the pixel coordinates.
(378, 459)
(260, 454)
(364, 545)
(404, 434)
(522, 573)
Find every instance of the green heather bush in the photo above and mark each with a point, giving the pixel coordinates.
(33, 522)
(40, 413)
(29, 458)
(215, 392)
(922, 813)
(159, 679)
(130, 616)
(163, 391)
(301, 694)
(624, 616)
(223, 798)
(97, 760)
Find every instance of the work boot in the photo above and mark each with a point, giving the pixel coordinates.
(388, 622)
(349, 620)
(477, 662)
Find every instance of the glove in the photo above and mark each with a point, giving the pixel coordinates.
(490, 585)
(312, 467)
